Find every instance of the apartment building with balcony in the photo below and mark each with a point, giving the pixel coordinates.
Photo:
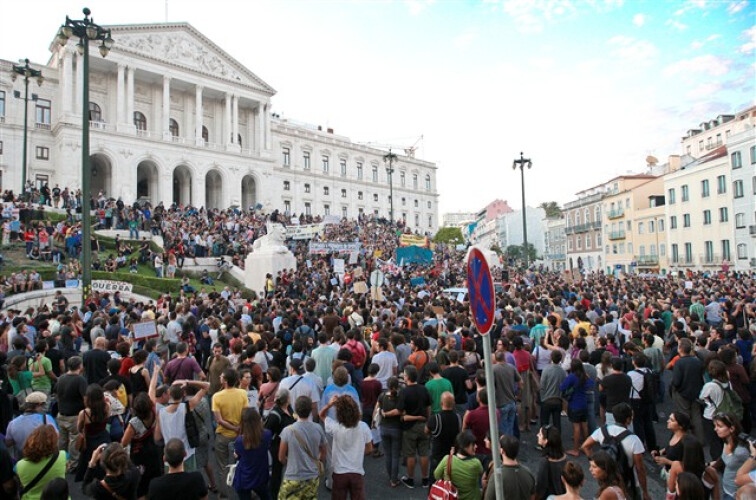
(741, 149)
(715, 133)
(555, 243)
(583, 230)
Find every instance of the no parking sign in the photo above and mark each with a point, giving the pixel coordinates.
(480, 289)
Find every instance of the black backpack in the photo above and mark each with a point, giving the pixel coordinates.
(191, 427)
(612, 445)
(648, 393)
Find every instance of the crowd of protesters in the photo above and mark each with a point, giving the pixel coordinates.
(299, 383)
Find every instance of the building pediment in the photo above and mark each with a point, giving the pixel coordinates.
(180, 44)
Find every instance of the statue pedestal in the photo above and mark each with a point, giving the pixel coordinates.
(261, 262)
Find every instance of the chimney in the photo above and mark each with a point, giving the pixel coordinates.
(330, 131)
(674, 163)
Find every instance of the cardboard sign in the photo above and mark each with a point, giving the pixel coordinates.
(689, 285)
(376, 293)
(304, 232)
(107, 286)
(339, 266)
(323, 247)
(353, 257)
(360, 287)
(357, 272)
(145, 330)
(438, 310)
(406, 240)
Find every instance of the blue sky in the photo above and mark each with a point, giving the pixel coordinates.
(587, 89)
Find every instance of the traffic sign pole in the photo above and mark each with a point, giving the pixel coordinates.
(482, 297)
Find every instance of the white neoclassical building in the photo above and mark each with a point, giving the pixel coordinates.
(174, 118)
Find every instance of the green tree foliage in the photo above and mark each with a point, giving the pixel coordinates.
(450, 235)
(551, 208)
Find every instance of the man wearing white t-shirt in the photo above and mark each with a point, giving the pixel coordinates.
(631, 445)
(386, 361)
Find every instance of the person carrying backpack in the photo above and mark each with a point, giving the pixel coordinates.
(625, 448)
(718, 397)
(642, 397)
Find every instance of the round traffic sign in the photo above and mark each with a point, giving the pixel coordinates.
(376, 278)
(480, 290)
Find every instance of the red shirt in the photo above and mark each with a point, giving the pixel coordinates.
(477, 422)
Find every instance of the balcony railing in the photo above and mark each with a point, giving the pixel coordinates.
(556, 256)
(42, 126)
(97, 125)
(647, 260)
(710, 259)
(143, 133)
(713, 145)
(615, 214)
(752, 230)
(617, 235)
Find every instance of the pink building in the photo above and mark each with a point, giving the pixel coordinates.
(493, 210)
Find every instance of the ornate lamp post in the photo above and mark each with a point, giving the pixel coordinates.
(522, 163)
(85, 30)
(27, 72)
(390, 158)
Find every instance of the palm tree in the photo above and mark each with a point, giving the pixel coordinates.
(551, 208)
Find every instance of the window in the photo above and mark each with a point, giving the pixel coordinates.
(688, 253)
(675, 253)
(651, 226)
(569, 245)
(344, 212)
(306, 160)
(671, 196)
(725, 249)
(685, 193)
(95, 113)
(430, 221)
(326, 165)
(286, 157)
(700, 146)
(343, 193)
(404, 201)
(662, 249)
(403, 181)
(673, 222)
(429, 203)
(742, 251)
(287, 186)
(587, 242)
(326, 191)
(660, 225)
(707, 217)
(598, 240)
(642, 249)
(709, 251)
(640, 228)
(737, 187)
(622, 248)
(375, 197)
(173, 128)
(287, 207)
(1, 147)
(42, 153)
(140, 121)
(735, 160)
(2, 104)
(629, 225)
(359, 171)
(753, 153)
(359, 195)
(417, 204)
(40, 180)
(721, 184)
(417, 220)
(723, 214)
(307, 188)
(327, 209)
(239, 140)
(308, 208)
(740, 220)
(686, 220)
(579, 242)
(342, 165)
(427, 183)
(44, 112)
(205, 134)
(705, 188)
(375, 174)
(414, 181)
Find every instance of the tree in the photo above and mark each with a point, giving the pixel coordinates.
(515, 252)
(551, 208)
(496, 248)
(449, 235)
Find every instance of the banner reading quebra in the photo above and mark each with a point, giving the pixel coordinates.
(107, 286)
(322, 247)
(304, 232)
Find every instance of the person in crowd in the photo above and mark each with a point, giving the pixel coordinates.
(507, 381)
(42, 462)
(462, 467)
(686, 385)
(227, 408)
(414, 405)
(140, 437)
(642, 398)
(552, 378)
(20, 428)
(92, 427)
(391, 429)
(679, 424)
(279, 417)
(734, 453)
(443, 428)
(615, 387)
(459, 381)
(96, 361)
(576, 386)
(605, 471)
(572, 479)
(110, 474)
(298, 385)
(519, 481)
(302, 451)
(693, 462)
(70, 390)
(251, 449)
(171, 421)
(550, 467)
(178, 483)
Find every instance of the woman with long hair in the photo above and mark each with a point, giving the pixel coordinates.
(735, 452)
(576, 386)
(41, 447)
(251, 449)
(550, 467)
(693, 462)
(572, 479)
(679, 424)
(689, 487)
(140, 435)
(20, 377)
(268, 390)
(391, 429)
(465, 468)
(603, 369)
(712, 394)
(604, 470)
(139, 376)
(121, 478)
(92, 425)
(278, 419)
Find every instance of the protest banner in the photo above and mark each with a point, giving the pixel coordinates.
(339, 266)
(145, 330)
(331, 219)
(324, 247)
(406, 240)
(360, 287)
(108, 286)
(304, 232)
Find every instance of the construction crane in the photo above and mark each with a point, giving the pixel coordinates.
(399, 145)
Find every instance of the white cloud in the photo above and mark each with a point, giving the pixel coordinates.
(696, 45)
(750, 36)
(709, 65)
(416, 7)
(704, 90)
(736, 6)
(639, 20)
(629, 48)
(675, 24)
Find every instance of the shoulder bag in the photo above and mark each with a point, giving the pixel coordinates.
(444, 489)
(321, 465)
(40, 474)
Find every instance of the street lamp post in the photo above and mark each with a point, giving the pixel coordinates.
(85, 30)
(522, 163)
(390, 158)
(27, 72)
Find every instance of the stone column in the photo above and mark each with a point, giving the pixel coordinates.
(235, 119)
(198, 191)
(166, 107)
(79, 83)
(260, 128)
(129, 118)
(198, 116)
(166, 188)
(251, 130)
(120, 96)
(66, 79)
(227, 132)
(266, 121)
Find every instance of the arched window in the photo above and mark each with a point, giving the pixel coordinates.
(140, 121)
(173, 127)
(205, 134)
(95, 113)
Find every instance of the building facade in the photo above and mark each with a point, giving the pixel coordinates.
(716, 132)
(583, 230)
(174, 118)
(509, 229)
(741, 149)
(555, 243)
(458, 219)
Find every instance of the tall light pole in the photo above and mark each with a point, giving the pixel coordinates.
(85, 30)
(27, 72)
(522, 163)
(390, 158)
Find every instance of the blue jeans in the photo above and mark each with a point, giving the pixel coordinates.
(507, 415)
(391, 440)
(133, 233)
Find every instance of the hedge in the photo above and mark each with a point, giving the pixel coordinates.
(162, 285)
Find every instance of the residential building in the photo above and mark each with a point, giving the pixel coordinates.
(649, 233)
(458, 219)
(555, 243)
(583, 230)
(741, 149)
(716, 132)
(509, 229)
